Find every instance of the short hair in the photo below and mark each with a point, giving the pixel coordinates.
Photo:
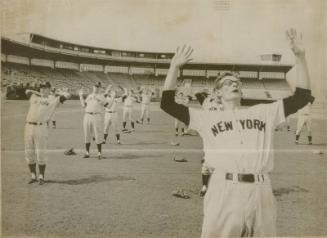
(223, 75)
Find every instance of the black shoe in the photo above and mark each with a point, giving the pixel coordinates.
(41, 182)
(86, 156)
(32, 181)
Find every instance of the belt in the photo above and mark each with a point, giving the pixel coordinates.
(35, 123)
(111, 111)
(92, 113)
(246, 178)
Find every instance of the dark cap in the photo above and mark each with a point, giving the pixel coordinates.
(45, 85)
(97, 84)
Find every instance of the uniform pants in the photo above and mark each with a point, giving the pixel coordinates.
(127, 114)
(144, 111)
(93, 123)
(236, 209)
(304, 120)
(111, 119)
(36, 141)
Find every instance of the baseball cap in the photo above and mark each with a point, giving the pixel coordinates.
(97, 84)
(45, 85)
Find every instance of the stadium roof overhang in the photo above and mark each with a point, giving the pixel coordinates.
(10, 47)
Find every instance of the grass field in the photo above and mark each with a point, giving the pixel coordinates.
(128, 194)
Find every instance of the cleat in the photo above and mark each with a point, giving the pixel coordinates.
(41, 181)
(124, 130)
(118, 142)
(86, 156)
(296, 142)
(310, 143)
(32, 181)
(139, 122)
(99, 157)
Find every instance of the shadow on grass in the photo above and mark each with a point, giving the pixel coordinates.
(90, 180)
(285, 191)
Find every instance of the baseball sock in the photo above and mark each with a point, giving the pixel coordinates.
(310, 139)
(132, 124)
(42, 170)
(118, 137)
(32, 168)
(205, 179)
(124, 124)
(54, 123)
(87, 147)
(99, 148)
(148, 119)
(105, 137)
(176, 129)
(297, 137)
(182, 130)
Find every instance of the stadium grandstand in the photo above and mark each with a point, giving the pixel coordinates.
(64, 64)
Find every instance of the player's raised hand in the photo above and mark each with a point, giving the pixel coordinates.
(182, 56)
(295, 42)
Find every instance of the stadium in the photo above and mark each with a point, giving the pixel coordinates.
(130, 192)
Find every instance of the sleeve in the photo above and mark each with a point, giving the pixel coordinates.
(298, 100)
(174, 109)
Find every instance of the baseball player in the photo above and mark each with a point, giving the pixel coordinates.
(93, 118)
(128, 99)
(53, 117)
(239, 200)
(41, 109)
(146, 95)
(111, 114)
(304, 119)
(209, 102)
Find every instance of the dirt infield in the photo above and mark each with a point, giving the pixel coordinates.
(128, 194)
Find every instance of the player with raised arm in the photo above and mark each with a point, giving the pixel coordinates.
(93, 118)
(129, 98)
(146, 95)
(42, 106)
(111, 113)
(238, 144)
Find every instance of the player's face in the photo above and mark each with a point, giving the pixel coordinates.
(96, 89)
(45, 91)
(230, 89)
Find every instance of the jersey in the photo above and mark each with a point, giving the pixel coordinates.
(95, 103)
(146, 98)
(305, 110)
(112, 104)
(239, 141)
(129, 101)
(210, 104)
(41, 108)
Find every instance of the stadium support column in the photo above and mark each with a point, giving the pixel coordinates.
(29, 61)
(80, 67)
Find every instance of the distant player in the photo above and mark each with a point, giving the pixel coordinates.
(238, 144)
(93, 118)
(129, 99)
(41, 109)
(53, 117)
(111, 114)
(146, 95)
(304, 120)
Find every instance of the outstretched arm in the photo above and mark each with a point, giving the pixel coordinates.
(81, 98)
(29, 93)
(302, 95)
(168, 104)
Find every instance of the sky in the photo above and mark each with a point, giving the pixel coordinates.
(235, 31)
